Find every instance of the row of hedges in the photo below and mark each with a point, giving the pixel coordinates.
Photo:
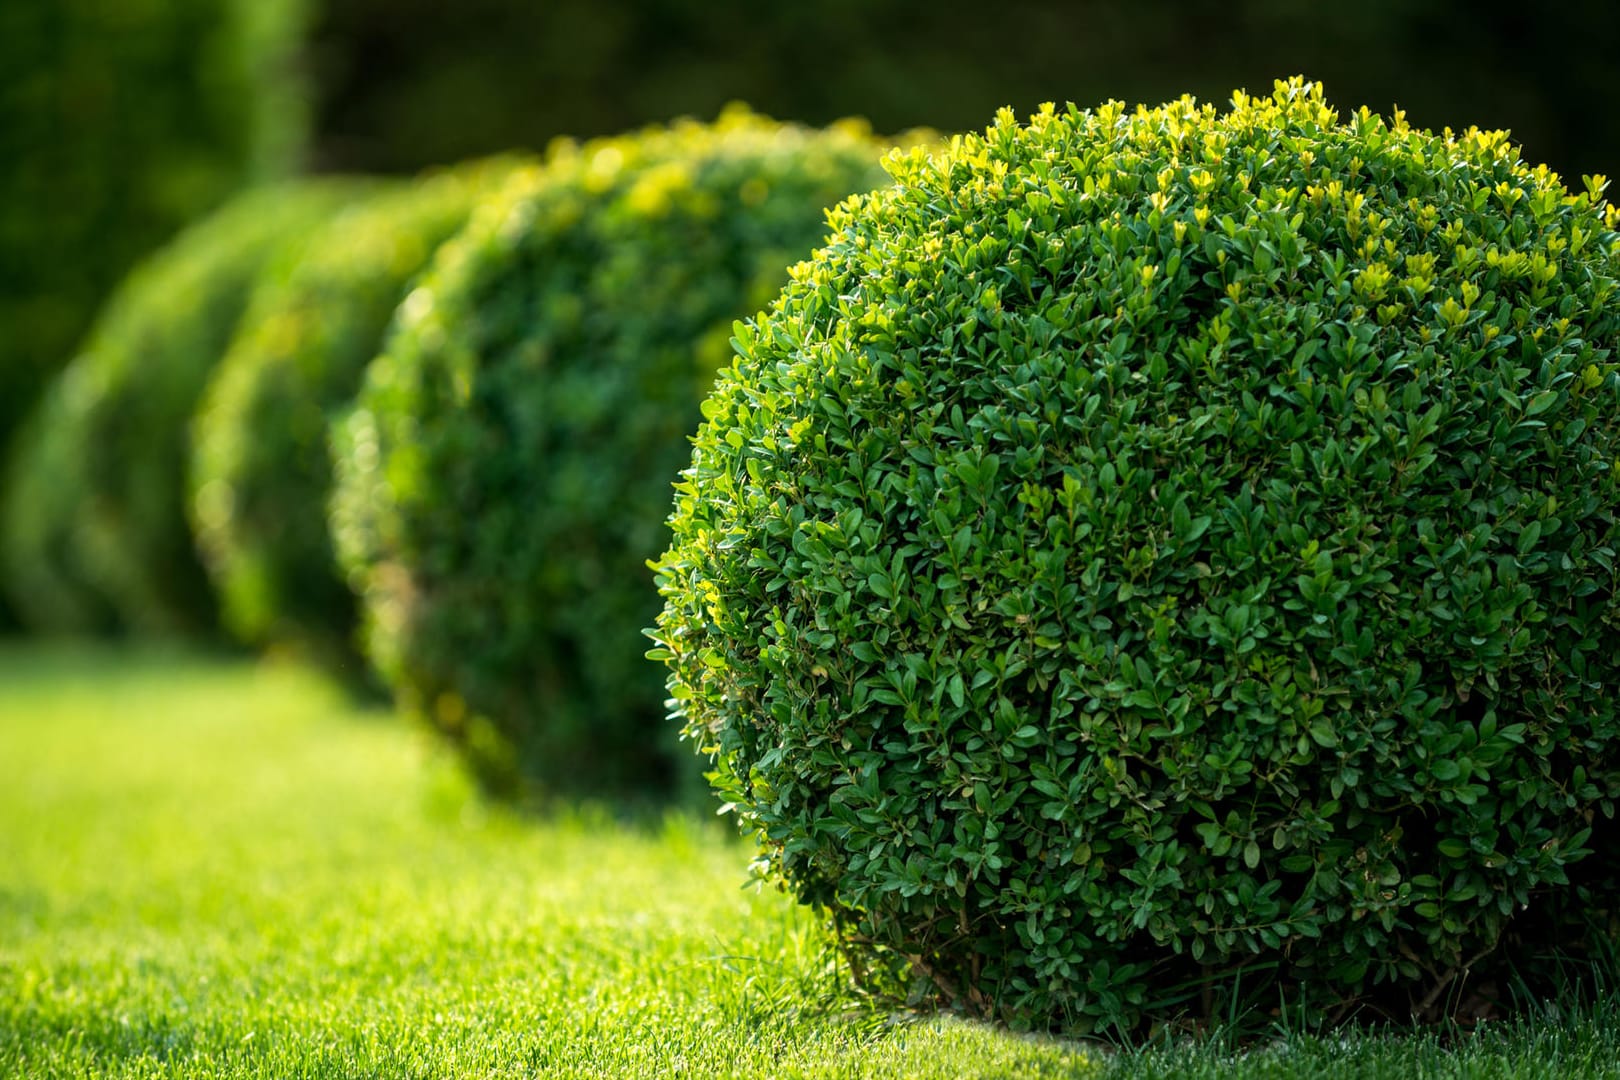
(119, 123)
(95, 523)
(1138, 552)
(178, 478)
(506, 471)
(260, 470)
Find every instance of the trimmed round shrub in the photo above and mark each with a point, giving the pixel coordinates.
(504, 476)
(260, 463)
(1149, 545)
(111, 458)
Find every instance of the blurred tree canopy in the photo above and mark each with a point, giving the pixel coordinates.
(121, 120)
(406, 83)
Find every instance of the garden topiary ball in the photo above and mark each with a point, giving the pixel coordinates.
(260, 469)
(1144, 545)
(503, 479)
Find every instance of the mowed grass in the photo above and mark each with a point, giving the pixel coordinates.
(221, 869)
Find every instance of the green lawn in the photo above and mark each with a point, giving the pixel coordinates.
(212, 869)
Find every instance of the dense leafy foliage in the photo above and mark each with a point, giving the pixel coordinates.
(108, 461)
(503, 478)
(1147, 544)
(120, 122)
(260, 465)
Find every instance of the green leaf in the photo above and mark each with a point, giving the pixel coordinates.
(1541, 403)
(1529, 536)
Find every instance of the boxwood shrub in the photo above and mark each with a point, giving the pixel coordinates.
(260, 470)
(111, 460)
(504, 476)
(1147, 545)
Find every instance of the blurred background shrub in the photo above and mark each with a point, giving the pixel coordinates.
(108, 462)
(506, 473)
(260, 469)
(42, 576)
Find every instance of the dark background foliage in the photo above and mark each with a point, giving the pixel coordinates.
(119, 122)
(404, 83)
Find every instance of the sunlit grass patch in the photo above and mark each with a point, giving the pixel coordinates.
(211, 869)
(214, 870)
